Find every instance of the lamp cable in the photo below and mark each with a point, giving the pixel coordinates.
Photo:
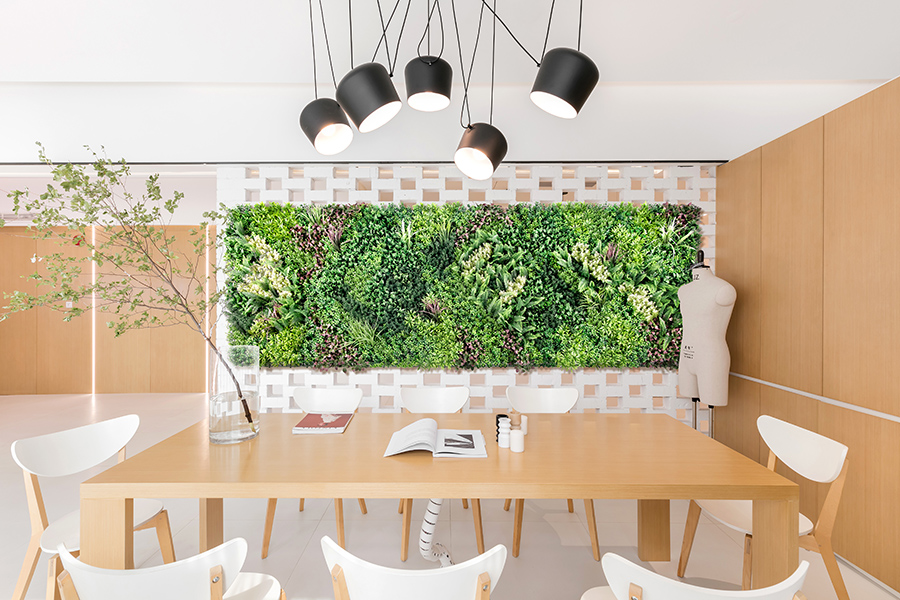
(432, 8)
(484, 4)
(547, 35)
(465, 109)
(493, 62)
(580, 16)
(312, 37)
(327, 44)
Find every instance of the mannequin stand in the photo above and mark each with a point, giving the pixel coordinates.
(712, 420)
(696, 407)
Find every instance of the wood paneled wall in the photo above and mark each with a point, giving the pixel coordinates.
(45, 355)
(823, 220)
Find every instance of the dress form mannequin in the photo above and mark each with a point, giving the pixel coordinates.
(703, 366)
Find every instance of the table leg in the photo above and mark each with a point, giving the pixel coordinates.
(212, 532)
(592, 528)
(407, 516)
(479, 530)
(653, 530)
(517, 526)
(776, 541)
(107, 532)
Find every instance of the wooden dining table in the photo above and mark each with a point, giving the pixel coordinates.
(650, 458)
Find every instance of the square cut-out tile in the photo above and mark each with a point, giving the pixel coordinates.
(476, 195)
(385, 196)
(590, 391)
(385, 402)
(567, 379)
(453, 184)
(385, 173)
(637, 184)
(500, 184)
(318, 184)
(523, 172)
(273, 184)
(431, 196)
(476, 379)
(431, 173)
(612, 378)
(612, 401)
(341, 173)
(613, 195)
(545, 183)
(499, 391)
(522, 378)
(407, 184)
(363, 185)
(431, 379)
(657, 379)
(523, 196)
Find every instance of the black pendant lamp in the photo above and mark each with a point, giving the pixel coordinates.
(564, 82)
(326, 125)
(369, 97)
(565, 77)
(322, 120)
(429, 80)
(481, 150)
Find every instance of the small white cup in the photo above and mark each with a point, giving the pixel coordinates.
(524, 425)
(517, 440)
(503, 439)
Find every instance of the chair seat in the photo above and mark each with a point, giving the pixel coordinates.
(67, 530)
(253, 586)
(599, 593)
(738, 514)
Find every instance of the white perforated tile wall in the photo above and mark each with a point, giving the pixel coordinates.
(642, 390)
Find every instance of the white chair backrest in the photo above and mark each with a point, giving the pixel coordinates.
(74, 450)
(530, 400)
(809, 454)
(434, 399)
(621, 573)
(327, 400)
(366, 581)
(186, 579)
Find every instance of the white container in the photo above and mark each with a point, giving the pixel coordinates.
(517, 440)
(503, 435)
(524, 425)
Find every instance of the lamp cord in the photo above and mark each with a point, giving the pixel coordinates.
(509, 31)
(350, 19)
(391, 65)
(327, 44)
(436, 5)
(312, 37)
(462, 67)
(493, 62)
(547, 36)
(580, 15)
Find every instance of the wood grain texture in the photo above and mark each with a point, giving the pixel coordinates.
(738, 208)
(653, 530)
(862, 270)
(736, 421)
(867, 530)
(791, 259)
(803, 412)
(123, 363)
(18, 343)
(63, 357)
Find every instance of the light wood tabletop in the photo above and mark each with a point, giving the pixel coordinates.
(651, 458)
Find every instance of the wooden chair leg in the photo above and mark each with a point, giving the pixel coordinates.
(834, 571)
(571, 504)
(690, 528)
(32, 555)
(164, 536)
(339, 520)
(592, 528)
(517, 527)
(404, 541)
(283, 596)
(402, 504)
(479, 531)
(746, 576)
(54, 569)
(483, 591)
(507, 504)
(302, 504)
(465, 503)
(362, 506)
(270, 521)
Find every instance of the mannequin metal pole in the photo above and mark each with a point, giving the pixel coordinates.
(712, 421)
(696, 405)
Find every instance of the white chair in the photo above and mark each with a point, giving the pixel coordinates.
(214, 574)
(442, 400)
(628, 581)
(808, 454)
(356, 579)
(319, 400)
(531, 400)
(66, 453)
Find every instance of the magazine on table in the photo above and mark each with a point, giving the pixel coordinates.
(442, 443)
(323, 423)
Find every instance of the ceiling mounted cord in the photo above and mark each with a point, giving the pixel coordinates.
(350, 20)
(433, 7)
(462, 66)
(399, 37)
(327, 44)
(580, 15)
(509, 31)
(493, 61)
(428, 10)
(312, 37)
(547, 36)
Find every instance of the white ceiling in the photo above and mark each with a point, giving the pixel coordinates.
(224, 81)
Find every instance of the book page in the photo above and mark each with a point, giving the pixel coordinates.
(415, 436)
(462, 443)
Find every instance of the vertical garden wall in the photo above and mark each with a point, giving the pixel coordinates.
(351, 287)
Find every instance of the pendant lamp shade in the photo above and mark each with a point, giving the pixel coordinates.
(325, 124)
(480, 151)
(429, 80)
(368, 96)
(564, 82)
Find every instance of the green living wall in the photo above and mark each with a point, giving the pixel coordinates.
(451, 287)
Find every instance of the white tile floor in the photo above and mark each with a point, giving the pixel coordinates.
(555, 561)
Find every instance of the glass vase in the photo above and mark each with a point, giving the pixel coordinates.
(234, 394)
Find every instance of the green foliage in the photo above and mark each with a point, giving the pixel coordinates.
(567, 285)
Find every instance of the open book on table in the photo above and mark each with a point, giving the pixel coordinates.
(442, 443)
